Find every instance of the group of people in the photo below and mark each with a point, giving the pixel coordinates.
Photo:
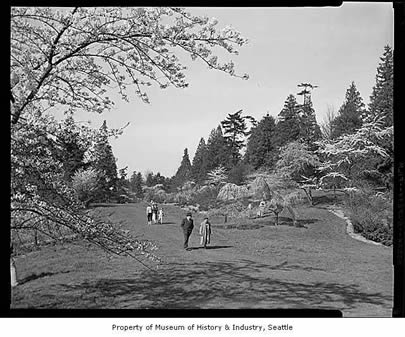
(205, 231)
(154, 214)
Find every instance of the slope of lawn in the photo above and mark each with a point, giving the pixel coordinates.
(250, 264)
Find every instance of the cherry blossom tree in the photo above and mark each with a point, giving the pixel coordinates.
(70, 59)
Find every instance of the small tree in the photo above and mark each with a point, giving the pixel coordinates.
(344, 159)
(300, 164)
(84, 182)
(217, 177)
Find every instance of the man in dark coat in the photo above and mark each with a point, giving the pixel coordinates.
(187, 225)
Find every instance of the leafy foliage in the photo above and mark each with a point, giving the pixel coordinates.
(343, 158)
(217, 177)
(371, 215)
(85, 182)
(296, 161)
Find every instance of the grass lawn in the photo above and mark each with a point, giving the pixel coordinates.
(250, 264)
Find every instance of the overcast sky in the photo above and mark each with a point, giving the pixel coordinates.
(329, 47)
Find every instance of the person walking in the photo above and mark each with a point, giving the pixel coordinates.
(160, 217)
(205, 232)
(149, 214)
(155, 212)
(187, 226)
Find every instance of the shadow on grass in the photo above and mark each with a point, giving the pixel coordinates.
(37, 276)
(260, 223)
(241, 284)
(209, 247)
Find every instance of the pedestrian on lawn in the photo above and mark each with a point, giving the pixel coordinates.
(187, 226)
(155, 212)
(149, 214)
(205, 232)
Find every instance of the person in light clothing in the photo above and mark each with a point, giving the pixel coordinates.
(149, 214)
(205, 232)
(160, 216)
(154, 213)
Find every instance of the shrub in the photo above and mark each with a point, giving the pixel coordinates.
(371, 215)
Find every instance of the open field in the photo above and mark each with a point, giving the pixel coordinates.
(249, 265)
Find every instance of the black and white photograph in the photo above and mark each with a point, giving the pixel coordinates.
(202, 158)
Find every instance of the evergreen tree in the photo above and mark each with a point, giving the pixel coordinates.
(199, 165)
(183, 173)
(136, 183)
(288, 126)
(235, 131)
(381, 106)
(68, 149)
(350, 114)
(123, 185)
(217, 150)
(105, 164)
(150, 180)
(310, 132)
(260, 149)
(381, 99)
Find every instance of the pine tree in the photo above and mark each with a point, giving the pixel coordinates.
(260, 148)
(310, 132)
(217, 150)
(136, 183)
(105, 163)
(122, 185)
(381, 99)
(183, 173)
(68, 149)
(199, 165)
(381, 105)
(235, 131)
(288, 126)
(350, 114)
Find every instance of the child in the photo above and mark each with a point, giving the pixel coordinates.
(161, 216)
(205, 232)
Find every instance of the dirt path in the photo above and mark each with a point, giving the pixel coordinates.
(259, 266)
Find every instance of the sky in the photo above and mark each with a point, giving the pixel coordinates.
(329, 47)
